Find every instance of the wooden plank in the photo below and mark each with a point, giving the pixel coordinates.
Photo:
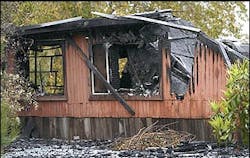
(69, 70)
(199, 78)
(198, 72)
(187, 107)
(219, 76)
(203, 73)
(210, 74)
(214, 76)
(224, 77)
(109, 128)
(192, 29)
(208, 110)
(203, 102)
(100, 76)
(194, 79)
(224, 54)
(206, 73)
(192, 108)
(164, 74)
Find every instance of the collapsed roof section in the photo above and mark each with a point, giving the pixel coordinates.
(154, 25)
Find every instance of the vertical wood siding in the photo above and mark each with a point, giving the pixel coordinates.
(209, 82)
(110, 128)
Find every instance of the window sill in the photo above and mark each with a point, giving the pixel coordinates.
(110, 97)
(52, 98)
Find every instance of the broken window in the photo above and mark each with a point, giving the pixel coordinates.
(100, 60)
(46, 68)
(130, 69)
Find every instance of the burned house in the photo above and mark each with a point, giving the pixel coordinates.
(110, 76)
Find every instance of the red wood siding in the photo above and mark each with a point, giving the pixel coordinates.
(209, 79)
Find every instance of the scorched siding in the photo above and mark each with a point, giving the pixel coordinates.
(209, 81)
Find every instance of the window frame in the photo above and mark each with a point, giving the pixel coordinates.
(56, 97)
(107, 72)
(109, 96)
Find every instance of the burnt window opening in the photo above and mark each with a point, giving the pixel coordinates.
(131, 70)
(46, 68)
(100, 60)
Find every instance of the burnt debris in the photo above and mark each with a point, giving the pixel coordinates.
(182, 58)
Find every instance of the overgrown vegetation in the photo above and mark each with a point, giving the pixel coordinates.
(230, 120)
(10, 124)
(16, 95)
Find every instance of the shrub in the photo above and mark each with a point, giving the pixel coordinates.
(17, 92)
(230, 121)
(10, 124)
(16, 95)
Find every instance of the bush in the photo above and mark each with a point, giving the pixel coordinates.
(230, 121)
(16, 95)
(10, 125)
(17, 92)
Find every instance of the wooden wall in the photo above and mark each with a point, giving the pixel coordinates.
(209, 79)
(107, 128)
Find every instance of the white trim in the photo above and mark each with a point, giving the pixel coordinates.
(107, 71)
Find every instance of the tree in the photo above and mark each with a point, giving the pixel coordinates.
(31, 12)
(214, 18)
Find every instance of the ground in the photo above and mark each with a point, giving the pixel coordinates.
(89, 148)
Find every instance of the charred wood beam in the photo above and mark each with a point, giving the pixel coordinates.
(180, 38)
(100, 76)
(35, 67)
(153, 13)
(76, 26)
(75, 19)
(224, 54)
(233, 51)
(196, 30)
(192, 29)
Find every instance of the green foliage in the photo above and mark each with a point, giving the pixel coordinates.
(231, 115)
(32, 12)
(10, 124)
(16, 91)
(16, 95)
(221, 128)
(214, 18)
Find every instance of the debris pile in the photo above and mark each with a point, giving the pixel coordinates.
(153, 136)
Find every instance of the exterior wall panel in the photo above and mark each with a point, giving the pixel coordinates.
(209, 81)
